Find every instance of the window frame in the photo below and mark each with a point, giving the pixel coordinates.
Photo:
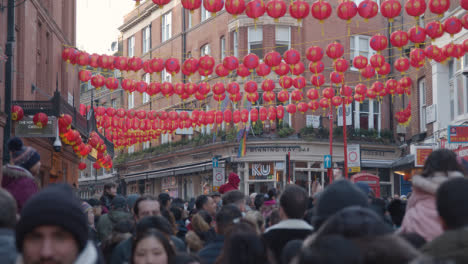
(256, 42)
(371, 115)
(146, 39)
(205, 50)
(131, 100)
(235, 43)
(353, 52)
(131, 46)
(282, 42)
(422, 104)
(222, 47)
(145, 96)
(165, 76)
(204, 14)
(166, 26)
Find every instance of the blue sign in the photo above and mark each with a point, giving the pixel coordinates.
(215, 162)
(327, 161)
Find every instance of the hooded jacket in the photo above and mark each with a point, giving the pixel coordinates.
(231, 185)
(453, 244)
(108, 221)
(421, 211)
(19, 182)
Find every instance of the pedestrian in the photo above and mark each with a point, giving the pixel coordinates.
(131, 199)
(202, 231)
(7, 227)
(331, 249)
(88, 211)
(118, 212)
(122, 231)
(180, 223)
(185, 258)
(421, 213)
(97, 209)
(256, 218)
(293, 204)
(165, 200)
(152, 247)
(110, 191)
(53, 229)
(206, 203)
(452, 207)
(231, 185)
(21, 177)
(225, 219)
(236, 198)
(269, 204)
(217, 199)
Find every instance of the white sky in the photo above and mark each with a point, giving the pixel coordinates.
(97, 23)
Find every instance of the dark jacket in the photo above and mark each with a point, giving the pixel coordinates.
(277, 236)
(106, 201)
(212, 250)
(123, 251)
(452, 245)
(20, 183)
(108, 221)
(7, 246)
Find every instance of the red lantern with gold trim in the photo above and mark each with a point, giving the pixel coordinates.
(161, 3)
(385, 69)
(292, 56)
(97, 81)
(135, 64)
(417, 34)
(157, 65)
(255, 9)
(297, 95)
(402, 65)
(340, 65)
(316, 67)
(93, 60)
(465, 45)
(254, 115)
(17, 113)
(218, 88)
(435, 29)
(302, 107)
(378, 42)
(439, 7)
(263, 114)
(206, 62)
(415, 8)
(235, 97)
(233, 88)
(377, 61)
(347, 10)
(82, 166)
(299, 82)
(391, 85)
(242, 71)
(368, 72)
(263, 70)
(282, 69)
(283, 96)
(314, 53)
(167, 89)
(192, 5)
(313, 94)
(251, 61)
(317, 80)
(313, 105)
(336, 77)
(417, 58)
(432, 51)
(291, 109)
(40, 120)
(112, 83)
(253, 97)
(328, 93)
(464, 4)
(190, 66)
(399, 39)
(324, 103)
(85, 75)
(368, 9)
(231, 63)
(250, 87)
(360, 62)
(276, 9)
(268, 85)
(321, 10)
(405, 82)
(235, 7)
(273, 112)
(335, 50)
(299, 10)
(390, 9)
(361, 89)
(453, 26)
(213, 6)
(272, 59)
(285, 82)
(221, 71)
(172, 66)
(346, 91)
(227, 116)
(154, 88)
(464, 21)
(336, 101)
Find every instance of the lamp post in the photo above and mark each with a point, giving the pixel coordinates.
(9, 76)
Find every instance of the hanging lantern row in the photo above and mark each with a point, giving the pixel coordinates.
(404, 117)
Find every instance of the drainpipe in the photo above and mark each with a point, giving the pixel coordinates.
(184, 40)
(9, 76)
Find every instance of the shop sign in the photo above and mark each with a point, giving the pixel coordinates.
(261, 171)
(349, 111)
(169, 182)
(218, 178)
(421, 155)
(354, 158)
(273, 149)
(313, 121)
(458, 134)
(431, 116)
(26, 128)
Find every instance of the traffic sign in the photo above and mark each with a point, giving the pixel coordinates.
(354, 158)
(218, 178)
(215, 162)
(327, 161)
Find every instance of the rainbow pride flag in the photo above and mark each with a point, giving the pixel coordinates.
(243, 145)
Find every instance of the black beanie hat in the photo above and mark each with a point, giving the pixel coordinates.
(55, 205)
(339, 195)
(22, 156)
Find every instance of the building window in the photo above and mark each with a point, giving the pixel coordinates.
(421, 21)
(359, 45)
(422, 104)
(458, 88)
(131, 149)
(235, 44)
(131, 100)
(222, 45)
(205, 14)
(204, 50)
(255, 41)
(189, 19)
(146, 39)
(367, 115)
(166, 138)
(283, 39)
(146, 145)
(452, 101)
(166, 26)
(165, 76)
(131, 46)
(145, 95)
(114, 103)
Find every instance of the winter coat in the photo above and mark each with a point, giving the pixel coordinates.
(20, 183)
(231, 185)
(212, 250)
(267, 208)
(7, 246)
(452, 244)
(106, 201)
(421, 215)
(108, 221)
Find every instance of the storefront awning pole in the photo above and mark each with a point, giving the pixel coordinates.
(330, 117)
(345, 142)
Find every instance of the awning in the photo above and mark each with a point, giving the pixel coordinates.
(405, 162)
(382, 164)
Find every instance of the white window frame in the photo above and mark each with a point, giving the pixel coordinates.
(282, 42)
(166, 26)
(146, 35)
(166, 138)
(422, 104)
(205, 50)
(165, 76)
(131, 100)
(353, 52)
(131, 46)
(235, 43)
(357, 112)
(145, 95)
(456, 78)
(205, 14)
(254, 41)
(145, 145)
(114, 103)
(190, 19)
(222, 46)
(131, 149)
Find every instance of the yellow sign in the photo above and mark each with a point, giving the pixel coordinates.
(354, 169)
(93, 153)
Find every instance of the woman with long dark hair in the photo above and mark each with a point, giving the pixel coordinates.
(152, 247)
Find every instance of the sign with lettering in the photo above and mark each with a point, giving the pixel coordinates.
(261, 171)
(349, 114)
(421, 155)
(26, 128)
(218, 178)
(354, 158)
(458, 134)
(313, 121)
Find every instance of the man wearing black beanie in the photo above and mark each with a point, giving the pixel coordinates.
(53, 229)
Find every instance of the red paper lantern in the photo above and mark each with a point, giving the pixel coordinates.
(272, 113)
(321, 10)
(299, 10)
(283, 96)
(465, 45)
(378, 42)
(85, 75)
(313, 105)
(157, 65)
(206, 62)
(276, 9)
(97, 81)
(190, 66)
(192, 5)
(299, 82)
(313, 94)
(316, 67)
(377, 61)
(161, 3)
(291, 109)
(432, 51)
(243, 71)
(253, 97)
(464, 21)
(360, 62)
(346, 91)
(335, 50)
(255, 9)
(244, 115)
(263, 114)
(391, 85)
(385, 69)
(297, 95)
(336, 101)
(269, 97)
(368, 72)
(81, 166)
(93, 60)
(417, 34)
(324, 103)
(453, 25)
(317, 80)
(347, 10)
(213, 6)
(371, 94)
(435, 29)
(464, 4)
(231, 63)
(402, 65)
(154, 88)
(298, 68)
(314, 53)
(135, 64)
(328, 93)
(285, 82)
(268, 85)
(340, 65)
(417, 58)
(17, 113)
(112, 83)
(336, 77)
(233, 88)
(83, 59)
(359, 98)
(459, 51)
(218, 88)
(368, 9)
(227, 116)
(405, 82)
(302, 107)
(399, 39)
(390, 9)
(235, 97)
(282, 69)
(263, 70)
(40, 120)
(439, 7)
(250, 87)
(360, 89)
(292, 56)
(415, 8)
(235, 7)
(172, 66)
(221, 71)
(251, 61)
(167, 89)
(141, 87)
(272, 59)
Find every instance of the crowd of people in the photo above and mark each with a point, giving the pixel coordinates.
(343, 223)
